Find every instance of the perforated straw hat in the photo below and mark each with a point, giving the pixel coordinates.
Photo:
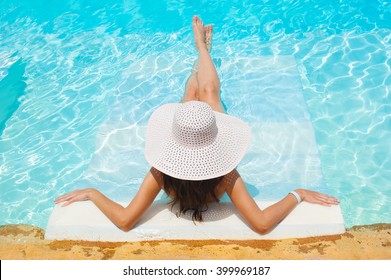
(192, 142)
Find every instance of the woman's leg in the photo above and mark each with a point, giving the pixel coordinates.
(191, 90)
(208, 80)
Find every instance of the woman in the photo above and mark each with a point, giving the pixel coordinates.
(194, 148)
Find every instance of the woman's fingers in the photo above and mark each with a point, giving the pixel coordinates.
(327, 202)
(68, 198)
(320, 198)
(330, 200)
(68, 202)
(65, 197)
(61, 198)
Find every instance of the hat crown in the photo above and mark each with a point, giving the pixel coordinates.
(194, 124)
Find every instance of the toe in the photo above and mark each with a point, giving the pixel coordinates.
(208, 29)
(195, 20)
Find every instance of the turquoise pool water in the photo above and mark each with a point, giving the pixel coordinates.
(70, 73)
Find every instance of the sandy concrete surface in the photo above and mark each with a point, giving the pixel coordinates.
(372, 242)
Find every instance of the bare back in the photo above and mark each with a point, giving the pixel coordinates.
(226, 183)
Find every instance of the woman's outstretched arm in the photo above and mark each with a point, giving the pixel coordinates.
(263, 221)
(123, 217)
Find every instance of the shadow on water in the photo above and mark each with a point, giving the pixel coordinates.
(12, 87)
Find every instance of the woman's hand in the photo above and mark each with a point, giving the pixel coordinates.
(77, 195)
(317, 198)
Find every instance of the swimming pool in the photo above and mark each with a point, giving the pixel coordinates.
(68, 74)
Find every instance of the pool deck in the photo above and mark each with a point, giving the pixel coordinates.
(371, 242)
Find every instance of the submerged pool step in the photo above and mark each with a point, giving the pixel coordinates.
(84, 221)
(266, 92)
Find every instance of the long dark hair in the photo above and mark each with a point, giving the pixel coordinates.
(191, 195)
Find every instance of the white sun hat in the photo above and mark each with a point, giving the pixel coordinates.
(190, 141)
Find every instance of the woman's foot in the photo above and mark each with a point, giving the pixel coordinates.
(199, 33)
(208, 37)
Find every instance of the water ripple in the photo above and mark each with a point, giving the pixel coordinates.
(80, 72)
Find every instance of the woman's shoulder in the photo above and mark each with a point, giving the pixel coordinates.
(229, 179)
(157, 175)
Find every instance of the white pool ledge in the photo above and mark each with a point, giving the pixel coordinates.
(84, 221)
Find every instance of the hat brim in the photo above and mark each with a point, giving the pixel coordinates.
(200, 163)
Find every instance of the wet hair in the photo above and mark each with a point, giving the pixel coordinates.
(191, 195)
